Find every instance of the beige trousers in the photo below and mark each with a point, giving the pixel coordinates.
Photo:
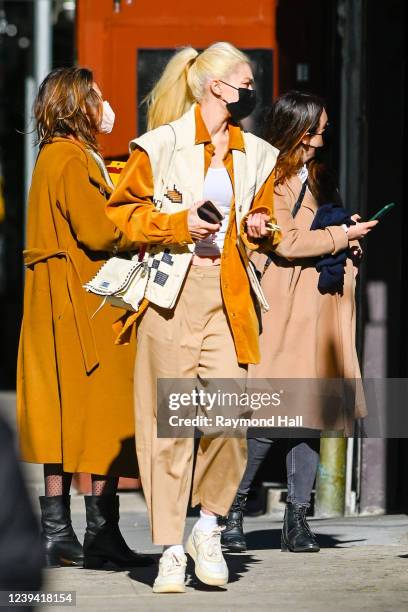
(193, 340)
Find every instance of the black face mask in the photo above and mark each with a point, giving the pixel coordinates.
(245, 104)
(328, 136)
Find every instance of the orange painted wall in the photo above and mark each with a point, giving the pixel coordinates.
(107, 42)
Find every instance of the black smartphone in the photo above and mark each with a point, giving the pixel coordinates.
(209, 212)
(383, 211)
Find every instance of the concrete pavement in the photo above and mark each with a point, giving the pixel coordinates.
(363, 565)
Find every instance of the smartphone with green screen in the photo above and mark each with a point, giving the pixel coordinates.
(383, 211)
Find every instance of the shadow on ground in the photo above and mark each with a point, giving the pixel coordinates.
(267, 539)
(238, 565)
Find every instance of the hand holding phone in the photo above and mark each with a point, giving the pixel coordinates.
(210, 213)
(203, 220)
(361, 228)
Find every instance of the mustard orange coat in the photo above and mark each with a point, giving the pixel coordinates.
(74, 386)
(131, 208)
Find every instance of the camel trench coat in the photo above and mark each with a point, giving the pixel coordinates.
(306, 334)
(74, 386)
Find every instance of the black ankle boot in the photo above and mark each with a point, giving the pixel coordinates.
(296, 533)
(103, 540)
(233, 535)
(61, 546)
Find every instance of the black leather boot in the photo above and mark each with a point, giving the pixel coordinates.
(233, 535)
(296, 533)
(103, 540)
(61, 546)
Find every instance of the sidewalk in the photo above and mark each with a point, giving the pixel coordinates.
(363, 565)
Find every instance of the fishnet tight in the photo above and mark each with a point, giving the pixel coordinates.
(58, 482)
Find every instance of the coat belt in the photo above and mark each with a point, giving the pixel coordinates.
(78, 300)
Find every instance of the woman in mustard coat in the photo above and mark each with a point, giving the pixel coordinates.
(74, 386)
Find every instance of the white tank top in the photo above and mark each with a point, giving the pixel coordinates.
(218, 189)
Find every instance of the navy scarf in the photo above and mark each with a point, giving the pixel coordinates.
(331, 267)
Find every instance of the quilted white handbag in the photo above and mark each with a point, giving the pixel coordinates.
(121, 282)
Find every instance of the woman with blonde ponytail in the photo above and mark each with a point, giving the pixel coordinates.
(198, 319)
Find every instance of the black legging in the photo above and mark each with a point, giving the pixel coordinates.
(302, 459)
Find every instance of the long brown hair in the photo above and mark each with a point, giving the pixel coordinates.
(67, 105)
(291, 117)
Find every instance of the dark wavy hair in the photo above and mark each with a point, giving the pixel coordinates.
(290, 118)
(68, 105)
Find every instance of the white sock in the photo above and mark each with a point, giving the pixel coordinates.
(177, 549)
(206, 522)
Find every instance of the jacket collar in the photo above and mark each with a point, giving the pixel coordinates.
(94, 172)
(191, 130)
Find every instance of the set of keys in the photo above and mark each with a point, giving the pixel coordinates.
(272, 227)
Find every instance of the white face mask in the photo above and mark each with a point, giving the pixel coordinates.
(108, 119)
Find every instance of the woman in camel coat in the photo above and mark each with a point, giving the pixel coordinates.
(74, 386)
(307, 333)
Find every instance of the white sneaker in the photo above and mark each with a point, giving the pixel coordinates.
(205, 549)
(172, 574)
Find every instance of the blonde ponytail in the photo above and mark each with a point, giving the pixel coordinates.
(171, 97)
(184, 79)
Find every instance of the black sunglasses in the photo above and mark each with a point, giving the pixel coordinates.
(326, 127)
